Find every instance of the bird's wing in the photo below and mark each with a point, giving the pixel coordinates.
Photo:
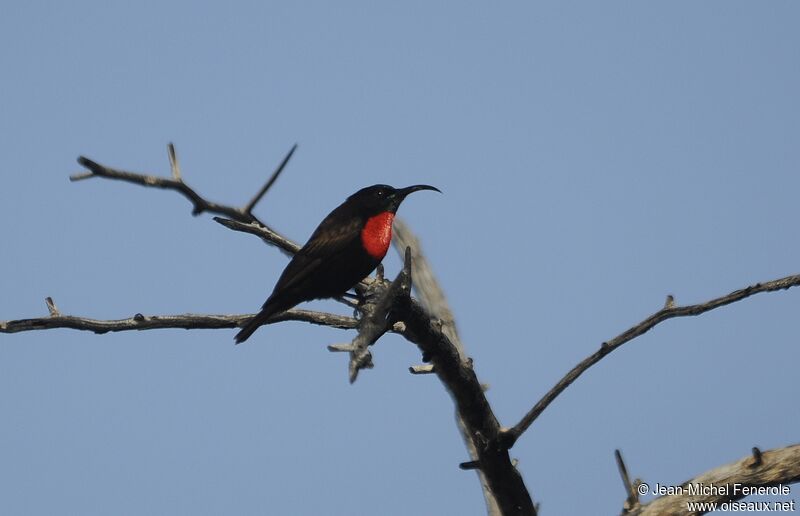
(327, 242)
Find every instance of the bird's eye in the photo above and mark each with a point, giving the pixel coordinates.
(381, 193)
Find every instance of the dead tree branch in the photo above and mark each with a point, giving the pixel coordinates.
(632, 499)
(481, 426)
(432, 297)
(778, 467)
(379, 299)
(157, 322)
(669, 311)
(427, 287)
(271, 181)
(199, 203)
(266, 234)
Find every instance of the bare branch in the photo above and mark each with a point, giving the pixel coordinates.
(173, 162)
(433, 299)
(669, 311)
(263, 232)
(377, 305)
(185, 321)
(778, 467)
(632, 499)
(480, 425)
(274, 177)
(427, 287)
(51, 307)
(199, 204)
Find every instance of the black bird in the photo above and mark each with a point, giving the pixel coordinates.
(344, 249)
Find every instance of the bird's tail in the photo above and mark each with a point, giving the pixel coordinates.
(269, 309)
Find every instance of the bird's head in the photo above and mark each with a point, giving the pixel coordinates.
(379, 198)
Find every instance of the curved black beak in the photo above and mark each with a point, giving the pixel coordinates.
(402, 192)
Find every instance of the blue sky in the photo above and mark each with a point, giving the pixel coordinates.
(595, 157)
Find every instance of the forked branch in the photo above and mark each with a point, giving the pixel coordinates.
(176, 183)
(669, 311)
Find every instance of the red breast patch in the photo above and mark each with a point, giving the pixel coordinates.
(377, 234)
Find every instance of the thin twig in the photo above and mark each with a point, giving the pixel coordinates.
(511, 435)
(173, 162)
(263, 232)
(274, 177)
(632, 498)
(51, 307)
